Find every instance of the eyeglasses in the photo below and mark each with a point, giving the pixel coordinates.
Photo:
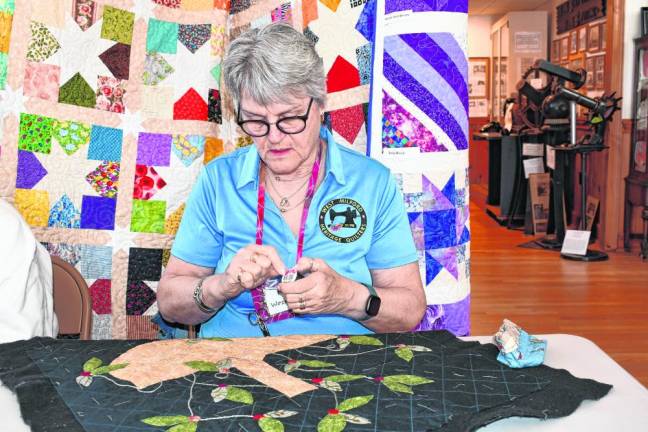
(260, 128)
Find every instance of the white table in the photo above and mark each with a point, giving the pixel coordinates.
(625, 408)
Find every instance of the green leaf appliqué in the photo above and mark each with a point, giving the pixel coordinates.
(410, 380)
(184, 427)
(315, 363)
(109, 368)
(202, 366)
(354, 402)
(236, 394)
(365, 340)
(166, 420)
(405, 353)
(92, 364)
(398, 387)
(332, 423)
(343, 378)
(268, 424)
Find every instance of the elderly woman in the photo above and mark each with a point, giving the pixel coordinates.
(331, 251)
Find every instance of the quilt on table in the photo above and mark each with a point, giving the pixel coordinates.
(109, 109)
(387, 382)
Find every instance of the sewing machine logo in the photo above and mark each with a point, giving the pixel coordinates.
(343, 220)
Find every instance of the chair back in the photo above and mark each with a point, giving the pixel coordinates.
(72, 302)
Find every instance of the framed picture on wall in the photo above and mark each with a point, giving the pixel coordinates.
(644, 21)
(599, 72)
(573, 42)
(593, 38)
(589, 67)
(582, 39)
(564, 48)
(555, 50)
(478, 77)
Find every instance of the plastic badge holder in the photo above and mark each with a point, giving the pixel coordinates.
(517, 348)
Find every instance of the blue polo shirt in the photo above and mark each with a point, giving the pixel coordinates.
(356, 222)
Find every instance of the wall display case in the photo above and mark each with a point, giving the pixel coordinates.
(640, 111)
(636, 193)
(517, 39)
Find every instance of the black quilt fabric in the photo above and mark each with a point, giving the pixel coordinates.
(387, 382)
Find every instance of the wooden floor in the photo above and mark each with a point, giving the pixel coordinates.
(606, 302)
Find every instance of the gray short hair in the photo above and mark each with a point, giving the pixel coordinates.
(269, 62)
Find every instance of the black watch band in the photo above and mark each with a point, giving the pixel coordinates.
(372, 307)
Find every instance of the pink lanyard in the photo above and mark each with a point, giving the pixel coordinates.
(309, 197)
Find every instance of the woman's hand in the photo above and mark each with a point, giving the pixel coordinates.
(251, 267)
(323, 291)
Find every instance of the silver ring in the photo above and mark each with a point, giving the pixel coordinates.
(302, 304)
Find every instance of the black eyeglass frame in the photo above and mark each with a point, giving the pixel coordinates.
(303, 118)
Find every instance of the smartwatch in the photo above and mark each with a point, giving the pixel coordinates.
(372, 307)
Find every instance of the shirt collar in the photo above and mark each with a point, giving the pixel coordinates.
(250, 169)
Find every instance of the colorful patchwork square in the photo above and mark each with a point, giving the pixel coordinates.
(193, 36)
(96, 262)
(139, 298)
(162, 36)
(148, 216)
(4, 60)
(85, 13)
(157, 102)
(218, 40)
(154, 149)
(110, 94)
(117, 25)
(156, 69)
(144, 264)
(7, 6)
(42, 44)
(213, 149)
(363, 55)
(71, 135)
(30, 170)
(35, 133)
(188, 147)
(64, 214)
(147, 182)
(214, 113)
(282, 13)
(172, 223)
(33, 205)
(117, 60)
(104, 179)
(77, 91)
(98, 213)
(5, 31)
(42, 81)
(105, 144)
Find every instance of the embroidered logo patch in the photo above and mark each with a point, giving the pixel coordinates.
(343, 220)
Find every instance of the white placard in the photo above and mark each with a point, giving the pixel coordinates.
(532, 149)
(527, 41)
(275, 303)
(551, 157)
(401, 151)
(533, 166)
(575, 242)
(412, 183)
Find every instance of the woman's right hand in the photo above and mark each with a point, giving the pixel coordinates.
(251, 267)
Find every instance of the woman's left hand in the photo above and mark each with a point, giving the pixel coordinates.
(321, 291)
